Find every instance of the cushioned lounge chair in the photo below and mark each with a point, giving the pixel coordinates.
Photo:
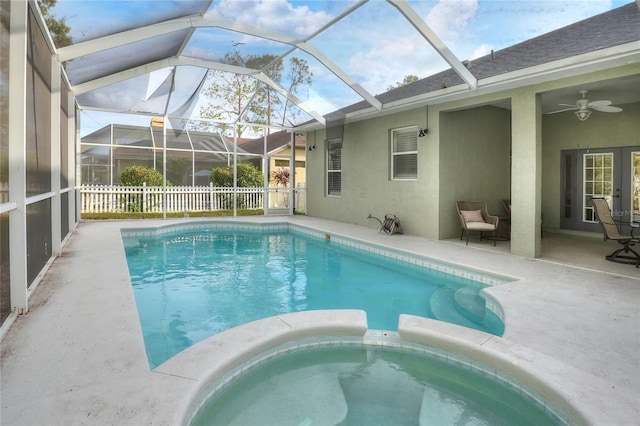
(611, 231)
(474, 217)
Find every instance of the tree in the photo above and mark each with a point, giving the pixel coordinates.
(57, 26)
(299, 74)
(138, 175)
(231, 92)
(235, 94)
(408, 79)
(248, 176)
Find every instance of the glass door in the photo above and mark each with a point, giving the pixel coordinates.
(635, 186)
(610, 173)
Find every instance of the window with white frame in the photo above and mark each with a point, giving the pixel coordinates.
(334, 167)
(404, 153)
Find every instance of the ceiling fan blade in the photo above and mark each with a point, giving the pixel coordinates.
(598, 103)
(569, 105)
(606, 108)
(563, 110)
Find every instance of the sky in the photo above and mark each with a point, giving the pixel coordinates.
(374, 45)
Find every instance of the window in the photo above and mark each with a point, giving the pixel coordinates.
(404, 153)
(598, 181)
(285, 163)
(334, 166)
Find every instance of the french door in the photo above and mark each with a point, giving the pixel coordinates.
(610, 173)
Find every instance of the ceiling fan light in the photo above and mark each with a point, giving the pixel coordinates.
(583, 114)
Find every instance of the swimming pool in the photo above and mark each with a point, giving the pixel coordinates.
(193, 281)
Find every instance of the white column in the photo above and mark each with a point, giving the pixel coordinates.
(56, 231)
(17, 156)
(292, 173)
(73, 152)
(526, 172)
(265, 172)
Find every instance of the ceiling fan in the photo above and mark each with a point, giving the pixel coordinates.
(583, 107)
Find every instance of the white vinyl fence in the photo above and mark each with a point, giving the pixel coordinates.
(149, 199)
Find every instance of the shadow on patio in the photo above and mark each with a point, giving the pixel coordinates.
(567, 249)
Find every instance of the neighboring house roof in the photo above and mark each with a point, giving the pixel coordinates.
(177, 139)
(275, 142)
(609, 29)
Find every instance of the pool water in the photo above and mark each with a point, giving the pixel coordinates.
(366, 386)
(191, 285)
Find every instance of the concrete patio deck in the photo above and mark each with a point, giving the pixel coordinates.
(77, 356)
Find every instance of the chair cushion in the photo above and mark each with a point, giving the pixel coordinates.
(480, 226)
(472, 216)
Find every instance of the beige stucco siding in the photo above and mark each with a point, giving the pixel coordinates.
(475, 166)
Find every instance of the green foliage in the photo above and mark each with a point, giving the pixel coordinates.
(57, 26)
(248, 176)
(177, 171)
(281, 176)
(138, 175)
(408, 79)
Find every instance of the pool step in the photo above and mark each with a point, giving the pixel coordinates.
(470, 304)
(462, 309)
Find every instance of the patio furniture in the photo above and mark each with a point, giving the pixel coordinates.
(611, 231)
(474, 217)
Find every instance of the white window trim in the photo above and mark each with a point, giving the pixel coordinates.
(392, 154)
(328, 143)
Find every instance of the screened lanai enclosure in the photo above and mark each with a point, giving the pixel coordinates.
(190, 155)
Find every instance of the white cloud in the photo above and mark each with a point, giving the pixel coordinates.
(449, 19)
(393, 58)
(482, 50)
(277, 15)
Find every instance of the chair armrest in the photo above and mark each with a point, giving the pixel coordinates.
(492, 219)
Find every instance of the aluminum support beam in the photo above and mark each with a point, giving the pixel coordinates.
(418, 23)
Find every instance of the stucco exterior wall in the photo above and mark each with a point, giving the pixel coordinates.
(564, 131)
(465, 156)
(366, 184)
(475, 149)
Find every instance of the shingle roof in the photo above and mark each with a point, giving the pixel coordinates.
(613, 28)
(274, 141)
